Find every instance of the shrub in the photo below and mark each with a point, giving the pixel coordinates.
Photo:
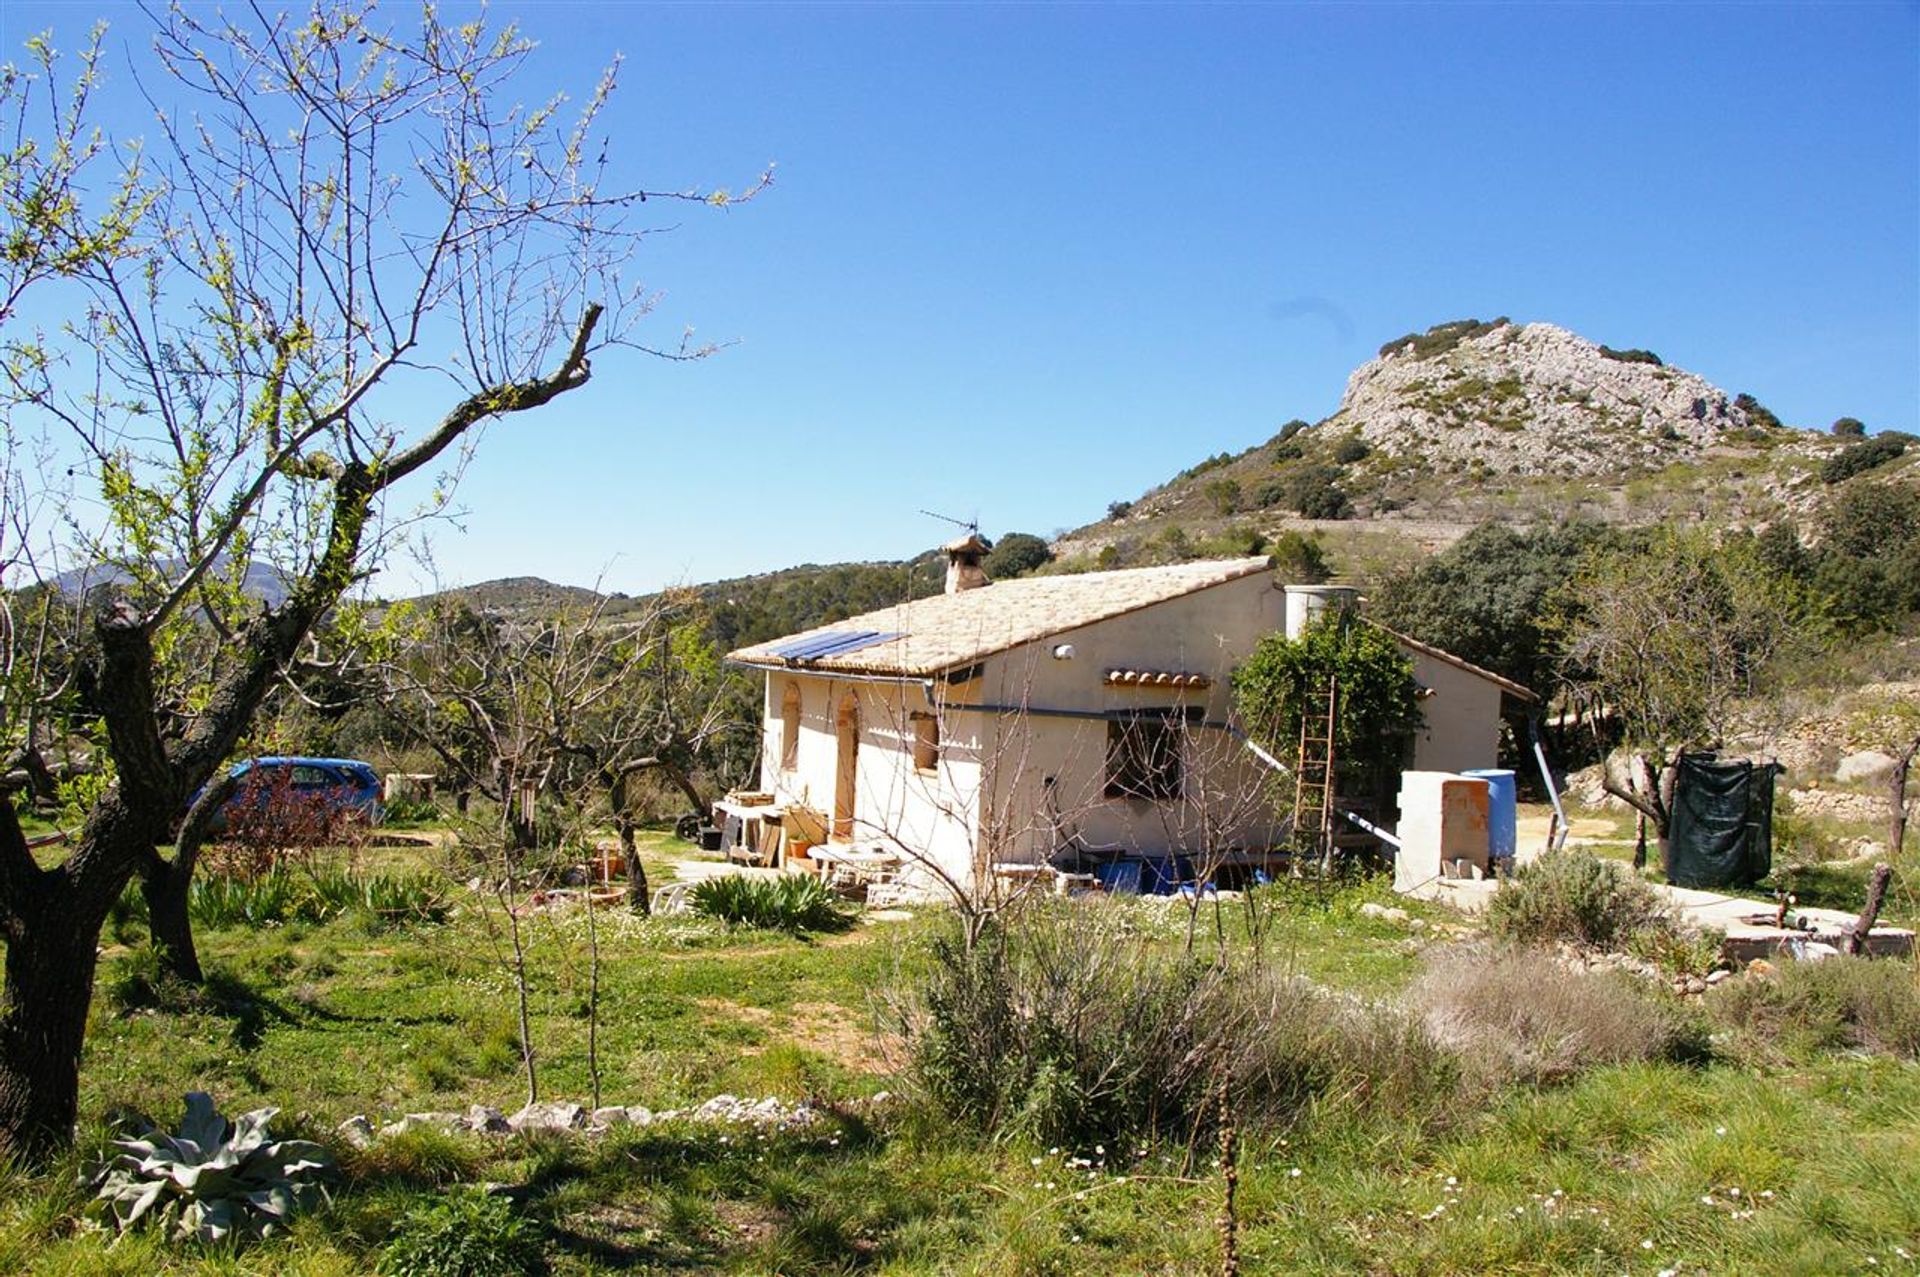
(1850, 427)
(1868, 454)
(1632, 356)
(1224, 495)
(1839, 1004)
(1119, 509)
(1351, 449)
(1578, 897)
(1016, 554)
(791, 902)
(470, 1233)
(1287, 450)
(1522, 1014)
(1289, 430)
(1066, 1029)
(1441, 338)
(213, 1179)
(1299, 559)
(1316, 493)
(1757, 412)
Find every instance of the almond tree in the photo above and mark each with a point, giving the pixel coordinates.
(343, 250)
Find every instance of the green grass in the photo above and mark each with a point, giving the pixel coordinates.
(330, 1020)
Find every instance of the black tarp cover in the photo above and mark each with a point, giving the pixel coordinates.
(1721, 834)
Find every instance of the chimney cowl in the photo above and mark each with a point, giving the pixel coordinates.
(963, 562)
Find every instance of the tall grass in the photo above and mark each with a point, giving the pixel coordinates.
(1840, 1004)
(1065, 1029)
(1521, 1015)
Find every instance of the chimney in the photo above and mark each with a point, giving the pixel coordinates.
(963, 563)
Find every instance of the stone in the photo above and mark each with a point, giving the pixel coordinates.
(1760, 966)
(549, 1115)
(1717, 977)
(415, 1121)
(609, 1115)
(639, 1115)
(1696, 985)
(1868, 764)
(1387, 913)
(356, 1130)
(490, 1121)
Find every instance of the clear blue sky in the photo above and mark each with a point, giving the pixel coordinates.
(1022, 261)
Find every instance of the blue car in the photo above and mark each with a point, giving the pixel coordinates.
(301, 793)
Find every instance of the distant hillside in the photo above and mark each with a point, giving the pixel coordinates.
(1466, 423)
(262, 581)
(1471, 422)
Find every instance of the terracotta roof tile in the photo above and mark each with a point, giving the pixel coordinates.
(947, 630)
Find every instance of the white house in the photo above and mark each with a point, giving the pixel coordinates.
(1001, 721)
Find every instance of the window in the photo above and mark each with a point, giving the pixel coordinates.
(926, 741)
(1143, 757)
(790, 727)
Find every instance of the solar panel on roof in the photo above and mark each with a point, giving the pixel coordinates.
(831, 643)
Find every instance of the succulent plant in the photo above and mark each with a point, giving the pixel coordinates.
(213, 1178)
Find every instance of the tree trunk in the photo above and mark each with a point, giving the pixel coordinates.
(167, 891)
(1640, 841)
(1854, 939)
(638, 892)
(1897, 800)
(49, 985)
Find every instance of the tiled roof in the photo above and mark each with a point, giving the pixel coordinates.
(940, 633)
(1504, 684)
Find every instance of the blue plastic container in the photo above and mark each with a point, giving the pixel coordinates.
(1503, 811)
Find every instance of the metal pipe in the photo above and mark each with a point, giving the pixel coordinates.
(1546, 776)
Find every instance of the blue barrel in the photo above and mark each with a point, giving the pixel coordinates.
(1503, 811)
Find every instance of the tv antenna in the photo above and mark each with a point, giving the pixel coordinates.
(972, 525)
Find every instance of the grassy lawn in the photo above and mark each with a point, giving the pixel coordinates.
(1758, 1161)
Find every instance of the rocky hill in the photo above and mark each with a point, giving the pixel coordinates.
(1476, 421)
(1534, 399)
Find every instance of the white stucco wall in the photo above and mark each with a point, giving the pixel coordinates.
(1462, 718)
(895, 806)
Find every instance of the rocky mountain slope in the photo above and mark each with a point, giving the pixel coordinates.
(1534, 399)
(1470, 422)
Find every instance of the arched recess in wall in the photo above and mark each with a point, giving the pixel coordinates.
(847, 728)
(790, 727)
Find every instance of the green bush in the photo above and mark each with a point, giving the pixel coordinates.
(1119, 509)
(1016, 554)
(1224, 495)
(1289, 430)
(1577, 897)
(1315, 492)
(469, 1233)
(1861, 1004)
(1441, 338)
(1632, 356)
(1351, 449)
(1065, 1029)
(791, 902)
(1858, 458)
(1757, 413)
(1850, 427)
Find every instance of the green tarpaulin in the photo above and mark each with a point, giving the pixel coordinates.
(1721, 834)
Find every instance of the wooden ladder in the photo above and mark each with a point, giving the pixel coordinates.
(1313, 777)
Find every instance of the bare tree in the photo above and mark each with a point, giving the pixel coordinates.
(342, 221)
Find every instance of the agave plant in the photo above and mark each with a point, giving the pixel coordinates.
(213, 1178)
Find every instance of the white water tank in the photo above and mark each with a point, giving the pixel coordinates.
(1305, 603)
